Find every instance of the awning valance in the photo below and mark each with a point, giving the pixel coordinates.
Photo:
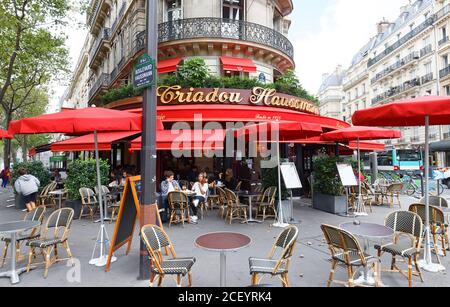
(238, 64)
(86, 143)
(167, 66)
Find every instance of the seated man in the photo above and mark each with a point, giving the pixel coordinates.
(167, 186)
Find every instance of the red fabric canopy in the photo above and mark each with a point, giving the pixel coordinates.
(406, 113)
(366, 146)
(286, 130)
(360, 133)
(78, 122)
(186, 140)
(5, 134)
(167, 66)
(86, 143)
(238, 64)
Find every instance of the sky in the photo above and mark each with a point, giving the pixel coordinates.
(325, 33)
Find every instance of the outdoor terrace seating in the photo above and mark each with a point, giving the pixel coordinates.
(88, 201)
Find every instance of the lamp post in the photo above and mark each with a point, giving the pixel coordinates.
(149, 153)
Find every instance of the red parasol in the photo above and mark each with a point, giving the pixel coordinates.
(5, 134)
(82, 121)
(422, 111)
(360, 133)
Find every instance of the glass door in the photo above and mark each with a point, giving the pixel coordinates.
(174, 14)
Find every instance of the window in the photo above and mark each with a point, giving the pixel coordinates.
(428, 68)
(233, 9)
(444, 32)
(174, 10)
(445, 61)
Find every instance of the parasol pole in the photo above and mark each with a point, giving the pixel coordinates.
(102, 238)
(280, 223)
(361, 211)
(427, 263)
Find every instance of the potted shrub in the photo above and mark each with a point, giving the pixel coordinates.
(35, 168)
(329, 194)
(83, 174)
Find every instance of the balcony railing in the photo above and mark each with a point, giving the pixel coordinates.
(396, 90)
(403, 62)
(93, 11)
(224, 28)
(426, 50)
(419, 29)
(102, 82)
(103, 37)
(119, 17)
(427, 78)
(415, 139)
(444, 11)
(444, 72)
(348, 83)
(443, 41)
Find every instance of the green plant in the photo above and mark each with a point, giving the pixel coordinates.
(326, 176)
(193, 73)
(35, 168)
(122, 92)
(83, 174)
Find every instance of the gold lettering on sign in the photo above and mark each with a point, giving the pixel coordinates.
(257, 96)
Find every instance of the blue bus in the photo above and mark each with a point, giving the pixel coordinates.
(399, 160)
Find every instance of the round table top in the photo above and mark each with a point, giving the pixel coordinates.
(223, 241)
(18, 226)
(58, 192)
(368, 230)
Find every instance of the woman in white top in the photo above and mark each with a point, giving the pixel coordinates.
(200, 189)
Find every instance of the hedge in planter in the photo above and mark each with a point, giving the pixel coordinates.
(35, 168)
(83, 174)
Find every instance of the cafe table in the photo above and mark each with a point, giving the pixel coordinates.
(250, 196)
(13, 229)
(223, 243)
(60, 194)
(368, 232)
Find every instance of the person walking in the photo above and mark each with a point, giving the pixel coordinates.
(6, 177)
(28, 186)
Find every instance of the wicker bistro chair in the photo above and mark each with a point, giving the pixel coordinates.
(179, 208)
(213, 199)
(111, 203)
(55, 233)
(235, 210)
(36, 215)
(284, 247)
(267, 203)
(45, 198)
(345, 249)
(88, 200)
(438, 226)
(238, 186)
(393, 192)
(222, 202)
(156, 240)
(408, 228)
(436, 201)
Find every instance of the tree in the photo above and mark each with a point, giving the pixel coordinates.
(32, 53)
(193, 72)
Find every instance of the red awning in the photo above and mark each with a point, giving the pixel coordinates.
(86, 143)
(167, 66)
(186, 140)
(367, 146)
(238, 64)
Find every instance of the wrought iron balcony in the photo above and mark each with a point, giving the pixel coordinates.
(426, 50)
(443, 41)
(399, 64)
(102, 82)
(226, 29)
(416, 31)
(427, 78)
(122, 11)
(103, 38)
(444, 72)
(396, 90)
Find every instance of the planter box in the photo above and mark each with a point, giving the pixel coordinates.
(329, 203)
(75, 205)
(19, 202)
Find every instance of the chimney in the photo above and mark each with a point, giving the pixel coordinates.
(382, 26)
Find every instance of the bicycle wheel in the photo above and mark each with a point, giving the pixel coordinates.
(410, 190)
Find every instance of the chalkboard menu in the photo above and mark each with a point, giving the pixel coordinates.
(126, 219)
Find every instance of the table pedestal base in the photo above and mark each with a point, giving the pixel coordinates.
(13, 275)
(251, 221)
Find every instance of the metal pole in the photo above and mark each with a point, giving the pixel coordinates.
(149, 153)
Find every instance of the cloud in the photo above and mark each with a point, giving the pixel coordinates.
(344, 27)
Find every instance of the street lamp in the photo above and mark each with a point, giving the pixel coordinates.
(149, 153)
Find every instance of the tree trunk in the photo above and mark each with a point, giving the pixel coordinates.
(7, 144)
(25, 148)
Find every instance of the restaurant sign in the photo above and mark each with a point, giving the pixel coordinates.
(176, 95)
(144, 72)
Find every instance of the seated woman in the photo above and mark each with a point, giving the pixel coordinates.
(200, 189)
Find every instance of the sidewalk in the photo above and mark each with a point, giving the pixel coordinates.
(310, 265)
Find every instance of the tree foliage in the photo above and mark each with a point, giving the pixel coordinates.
(32, 53)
